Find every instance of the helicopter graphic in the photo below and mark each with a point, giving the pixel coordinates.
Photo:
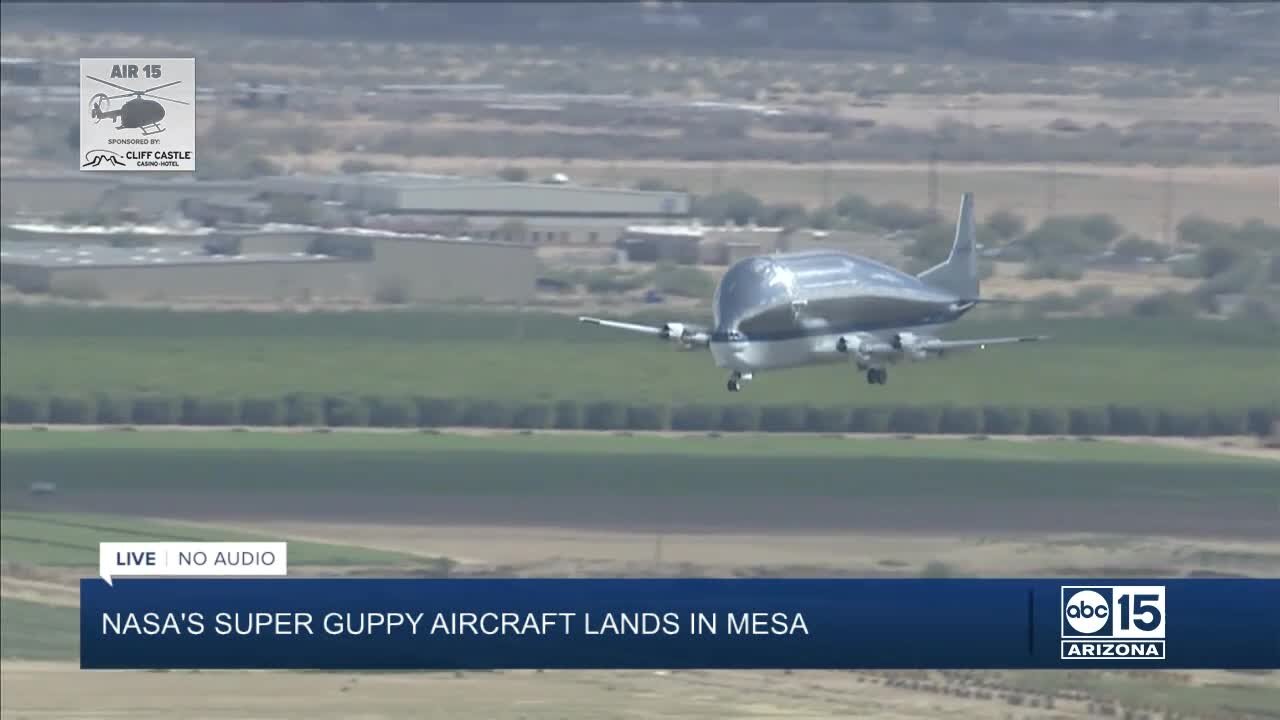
(145, 115)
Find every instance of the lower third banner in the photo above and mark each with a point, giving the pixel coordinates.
(379, 624)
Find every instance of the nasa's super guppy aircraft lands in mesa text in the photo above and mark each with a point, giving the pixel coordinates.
(808, 308)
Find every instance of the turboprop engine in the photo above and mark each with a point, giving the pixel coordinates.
(849, 344)
(910, 345)
(856, 346)
(683, 334)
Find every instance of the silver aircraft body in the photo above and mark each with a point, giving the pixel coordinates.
(807, 308)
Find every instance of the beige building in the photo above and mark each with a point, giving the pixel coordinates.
(728, 253)
(710, 245)
(662, 243)
(53, 196)
(394, 269)
(436, 269)
(539, 213)
(158, 274)
(50, 196)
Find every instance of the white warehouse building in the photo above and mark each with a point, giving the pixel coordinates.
(534, 212)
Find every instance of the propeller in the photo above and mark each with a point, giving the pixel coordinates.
(140, 93)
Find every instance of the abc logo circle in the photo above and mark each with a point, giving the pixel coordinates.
(1087, 612)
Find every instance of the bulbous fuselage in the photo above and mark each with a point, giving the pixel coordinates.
(794, 295)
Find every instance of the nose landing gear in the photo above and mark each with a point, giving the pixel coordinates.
(877, 376)
(737, 380)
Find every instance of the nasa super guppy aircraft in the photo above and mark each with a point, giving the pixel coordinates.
(807, 308)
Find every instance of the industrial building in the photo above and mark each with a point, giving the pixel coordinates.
(539, 213)
(366, 236)
(175, 273)
(56, 195)
(382, 268)
(713, 245)
(556, 212)
(117, 235)
(662, 243)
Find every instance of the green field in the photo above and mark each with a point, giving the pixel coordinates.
(1173, 364)
(71, 539)
(1247, 699)
(513, 466)
(35, 631)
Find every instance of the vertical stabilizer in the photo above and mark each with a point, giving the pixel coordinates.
(959, 274)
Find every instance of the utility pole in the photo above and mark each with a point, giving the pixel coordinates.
(933, 180)
(1051, 191)
(826, 185)
(973, 127)
(827, 159)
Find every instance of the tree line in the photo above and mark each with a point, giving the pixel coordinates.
(319, 410)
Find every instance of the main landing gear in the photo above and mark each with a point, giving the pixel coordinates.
(737, 380)
(877, 376)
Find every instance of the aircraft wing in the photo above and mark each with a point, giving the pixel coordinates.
(632, 327)
(939, 345)
(686, 335)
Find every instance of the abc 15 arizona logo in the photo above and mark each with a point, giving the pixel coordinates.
(1124, 622)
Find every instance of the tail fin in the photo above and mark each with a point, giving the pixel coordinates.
(959, 274)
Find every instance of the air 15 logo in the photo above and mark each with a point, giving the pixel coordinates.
(1116, 621)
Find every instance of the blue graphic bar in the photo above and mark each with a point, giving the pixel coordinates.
(473, 624)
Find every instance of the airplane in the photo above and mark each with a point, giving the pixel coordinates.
(790, 310)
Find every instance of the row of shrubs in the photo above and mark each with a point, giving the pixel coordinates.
(310, 410)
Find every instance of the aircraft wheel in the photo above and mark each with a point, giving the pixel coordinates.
(733, 386)
(883, 377)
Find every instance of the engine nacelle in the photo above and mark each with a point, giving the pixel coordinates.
(857, 347)
(849, 344)
(673, 331)
(687, 337)
(910, 345)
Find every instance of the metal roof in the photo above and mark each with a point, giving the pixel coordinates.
(685, 231)
(416, 181)
(133, 183)
(102, 230)
(106, 256)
